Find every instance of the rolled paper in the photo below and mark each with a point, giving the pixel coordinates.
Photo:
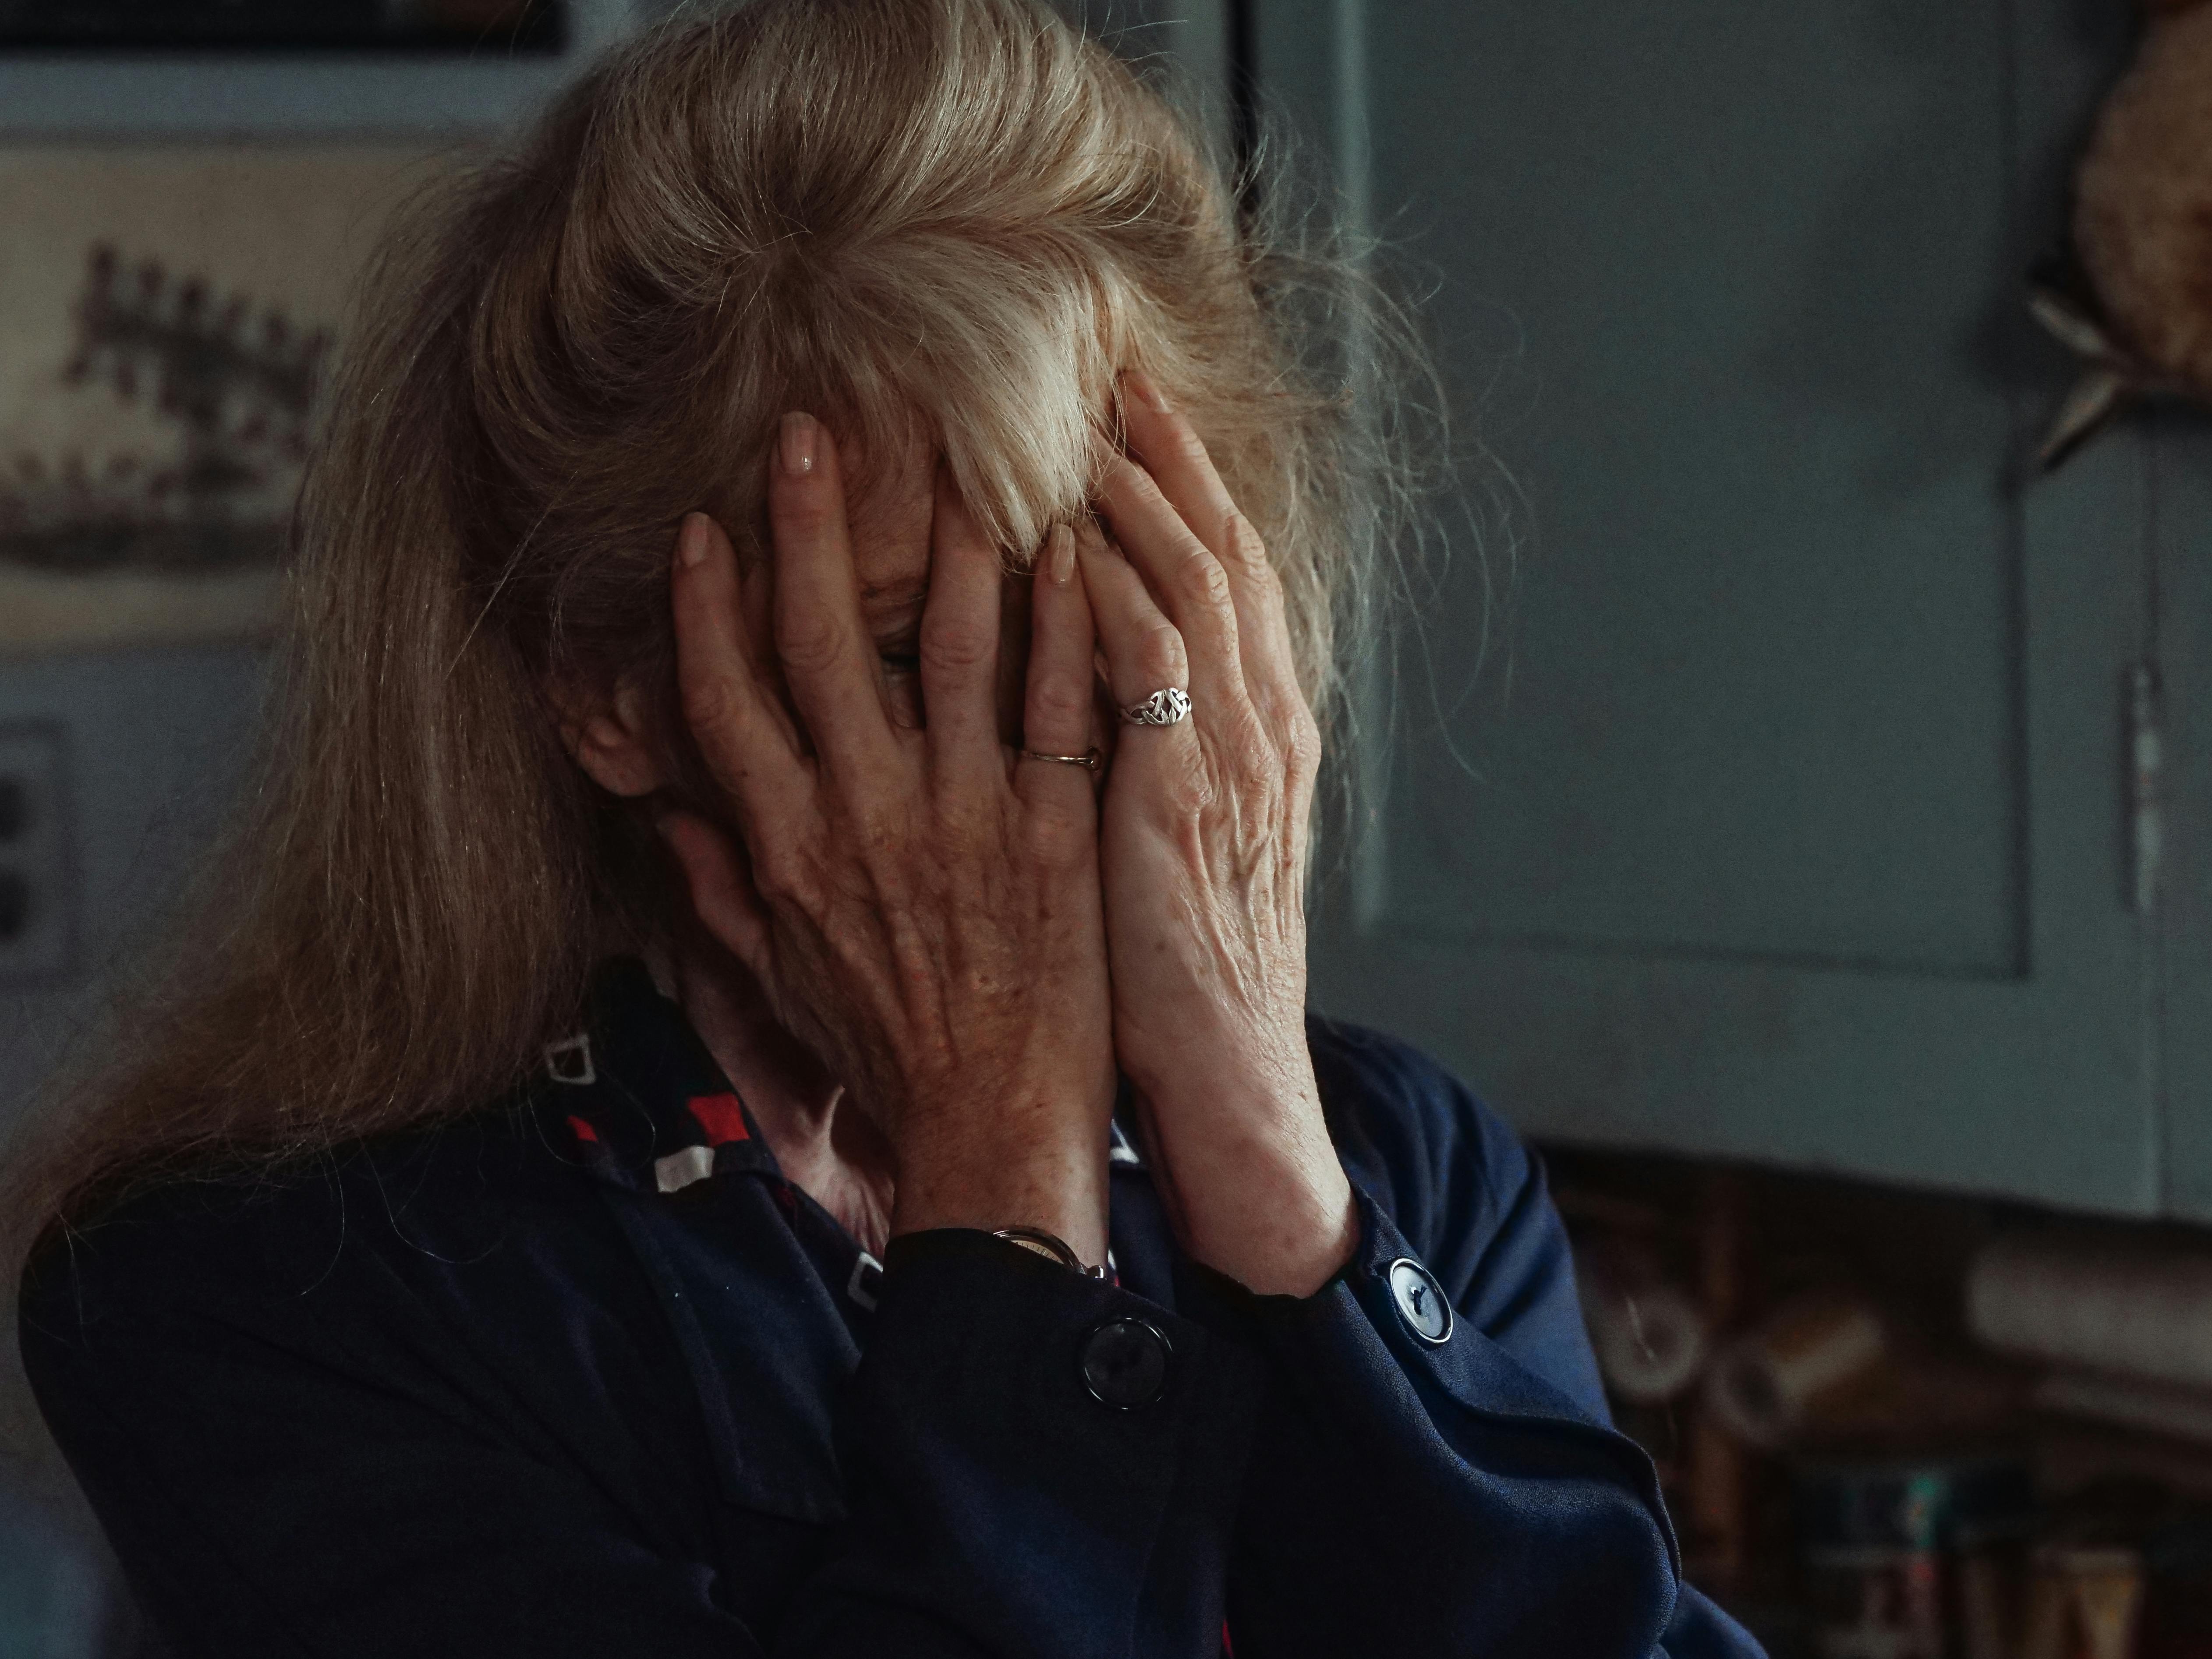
(1767, 1386)
(2156, 1408)
(2137, 1311)
(1650, 1338)
(2094, 1592)
(2109, 1596)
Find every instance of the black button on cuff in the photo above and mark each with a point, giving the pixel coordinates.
(1125, 1363)
(1421, 1301)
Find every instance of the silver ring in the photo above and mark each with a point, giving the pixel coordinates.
(1166, 707)
(1089, 758)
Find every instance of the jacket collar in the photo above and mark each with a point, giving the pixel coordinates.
(649, 1106)
(764, 1328)
(760, 1327)
(646, 1102)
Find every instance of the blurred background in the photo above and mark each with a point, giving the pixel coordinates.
(1788, 795)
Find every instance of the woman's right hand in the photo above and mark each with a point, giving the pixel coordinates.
(921, 906)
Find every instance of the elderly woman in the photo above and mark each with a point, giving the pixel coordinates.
(746, 1086)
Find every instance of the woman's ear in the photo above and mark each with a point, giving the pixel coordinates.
(609, 735)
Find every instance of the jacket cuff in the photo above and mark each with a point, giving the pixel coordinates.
(1386, 1294)
(1422, 1460)
(1008, 1409)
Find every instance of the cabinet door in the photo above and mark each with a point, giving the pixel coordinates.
(1785, 819)
(2178, 486)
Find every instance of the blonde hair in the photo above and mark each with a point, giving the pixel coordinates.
(954, 216)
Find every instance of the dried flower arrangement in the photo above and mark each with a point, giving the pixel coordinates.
(2137, 306)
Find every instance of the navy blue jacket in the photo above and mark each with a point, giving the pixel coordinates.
(581, 1374)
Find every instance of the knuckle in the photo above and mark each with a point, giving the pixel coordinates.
(1186, 445)
(878, 832)
(1241, 542)
(1202, 580)
(963, 820)
(1153, 498)
(1189, 792)
(1060, 700)
(956, 647)
(1260, 769)
(1160, 657)
(1136, 480)
(783, 873)
(709, 703)
(808, 643)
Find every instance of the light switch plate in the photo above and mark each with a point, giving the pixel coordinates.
(38, 865)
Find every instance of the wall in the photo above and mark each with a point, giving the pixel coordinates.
(154, 745)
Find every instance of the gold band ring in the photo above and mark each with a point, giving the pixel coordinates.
(1089, 758)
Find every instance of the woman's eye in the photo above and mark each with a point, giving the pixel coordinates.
(900, 662)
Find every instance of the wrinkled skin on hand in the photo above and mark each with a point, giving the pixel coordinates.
(1204, 845)
(921, 908)
(973, 942)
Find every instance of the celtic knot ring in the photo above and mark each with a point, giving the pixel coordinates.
(1167, 706)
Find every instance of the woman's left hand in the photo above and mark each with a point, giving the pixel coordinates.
(1203, 846)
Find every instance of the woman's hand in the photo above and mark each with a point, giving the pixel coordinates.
(922, 906)
(1203, 848)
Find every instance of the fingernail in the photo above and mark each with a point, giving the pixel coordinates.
(691, 540)
(1148, 389)
(796, 447)
(1063, 556)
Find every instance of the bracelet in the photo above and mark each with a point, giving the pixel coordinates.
(1053, 1249)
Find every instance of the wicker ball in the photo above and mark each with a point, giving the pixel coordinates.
(2142, 223)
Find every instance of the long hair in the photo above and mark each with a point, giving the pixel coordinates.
(958, 217)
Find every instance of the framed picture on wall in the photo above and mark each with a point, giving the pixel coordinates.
(469, 26)
(292, 69)
(165, 315)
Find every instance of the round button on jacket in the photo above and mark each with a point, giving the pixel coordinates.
(1421, 1301)
(1125, 1363)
